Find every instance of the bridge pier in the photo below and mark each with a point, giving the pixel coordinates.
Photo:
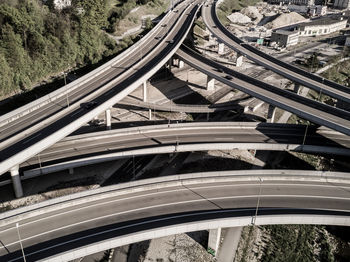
(239, 60)
(297, 88)
(169, 64)
(145, 91)
(178, 62)
(211, 36)
(214, 240)
(71, 171)
(16, 181)
(150, 114)
(271, 113)
(210, 83)
(221, 48)
(108, 119)
(181, 64)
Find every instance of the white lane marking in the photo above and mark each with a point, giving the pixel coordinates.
(169, 204)
(118, 228)
(76, 112)
(180, 188)
(27, 141)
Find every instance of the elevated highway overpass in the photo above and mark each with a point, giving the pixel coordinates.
(92, 148)
(156, 53)
(291, 72)
(309, 109)
(77, 225)
(184, 108)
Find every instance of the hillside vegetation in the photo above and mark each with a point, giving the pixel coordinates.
(36, 41)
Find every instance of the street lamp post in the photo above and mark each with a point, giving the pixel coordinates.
(65, 84)
(307, 125)
(257, 204)
(20, 242)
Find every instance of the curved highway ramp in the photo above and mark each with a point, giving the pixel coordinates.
(70, 227)
(291, 72)
(33, 140)
(309, 109)
(97, 147)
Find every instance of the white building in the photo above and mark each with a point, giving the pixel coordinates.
(285, 38)
(59, 4)
(322, 26)
(293, 2)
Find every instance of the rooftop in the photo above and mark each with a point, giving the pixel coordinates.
(285, 32)
(322, 21)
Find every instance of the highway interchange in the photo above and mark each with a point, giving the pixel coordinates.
(33, 140)
(176, 200)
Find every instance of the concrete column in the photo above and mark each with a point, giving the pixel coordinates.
(174, 61)
(229, 244)
(210, 83)
(16, 182)
(239, 60)
(214, 240)
(108, 119)
(71, 171)
(221, 48)
(181, 64)
(150, 114)
(168, 64)
(271, 114)
(211, 37)
(145, 91)
(296, 88)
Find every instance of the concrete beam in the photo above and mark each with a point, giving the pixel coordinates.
(221, 48)
(214, 240)
(108, 119)
(271, 113)
(144, 91)
(210, 83)
(16, 182)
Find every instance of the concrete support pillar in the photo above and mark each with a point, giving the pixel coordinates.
(181, 64)
(169, 64)
(16, 182)
(71, 171)
(214, 240)
(211, 37)
(296, 88)
(145, 91)
(174, 61)
(150, 114)
(221, 48)
(108, 119)
(239, 60)
(271, 114)
(210, 83)
(230, 244)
